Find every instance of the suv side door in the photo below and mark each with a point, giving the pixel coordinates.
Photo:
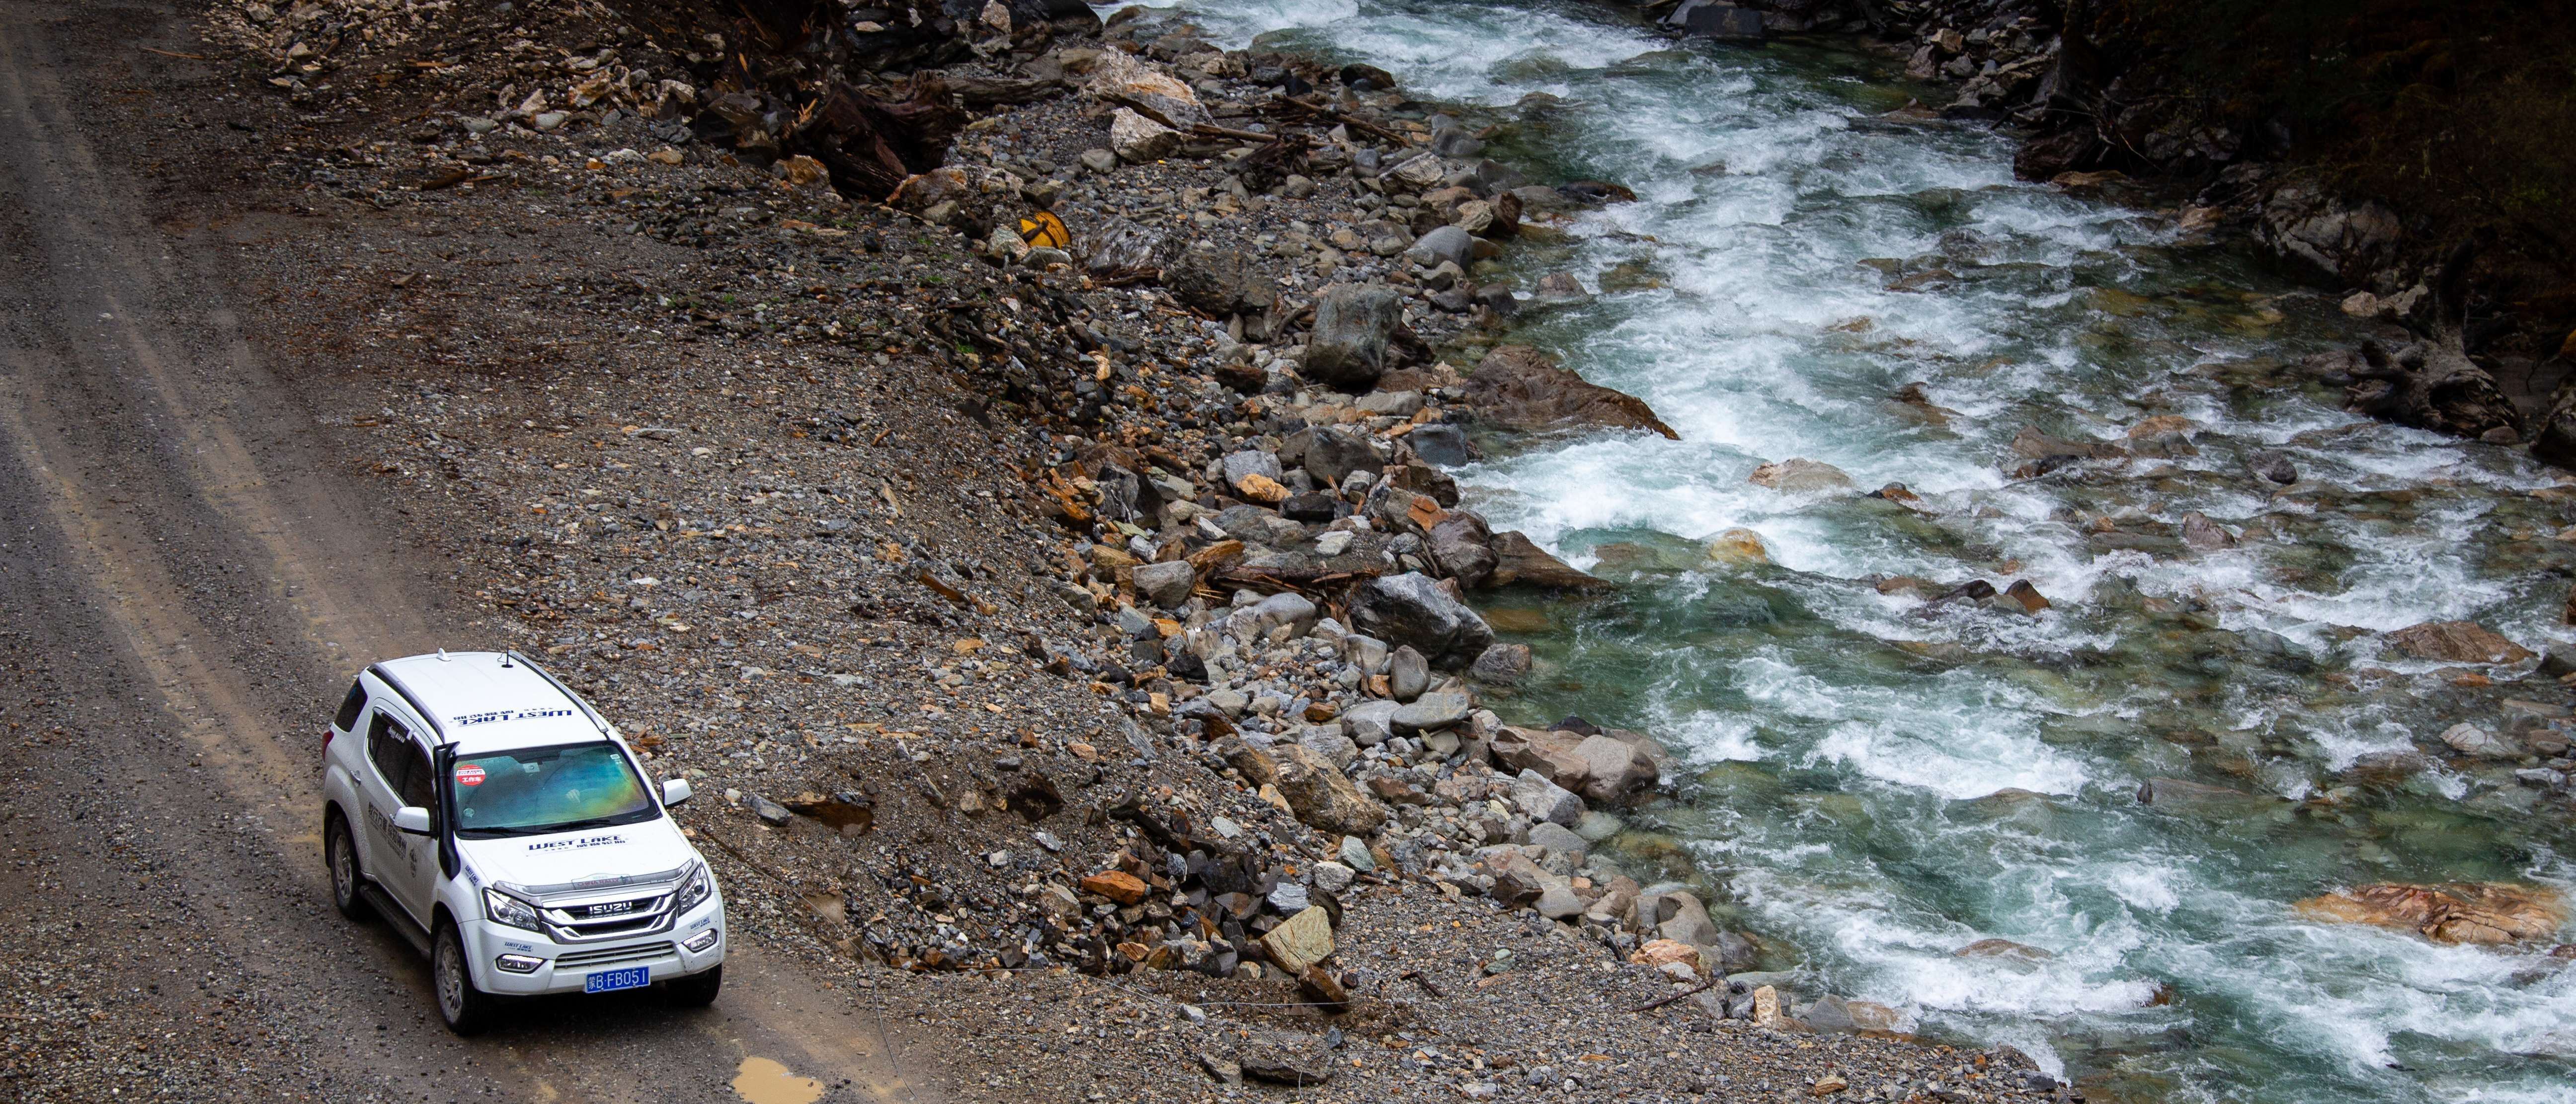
(398, 774)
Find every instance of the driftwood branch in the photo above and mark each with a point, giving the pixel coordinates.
(1705, 986)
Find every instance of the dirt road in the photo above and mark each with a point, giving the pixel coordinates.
(188, 577)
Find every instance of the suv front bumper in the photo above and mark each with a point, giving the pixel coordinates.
(565, 967)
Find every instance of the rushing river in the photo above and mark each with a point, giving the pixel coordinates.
(1879, 783)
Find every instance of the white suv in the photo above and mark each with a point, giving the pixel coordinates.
(509, 833)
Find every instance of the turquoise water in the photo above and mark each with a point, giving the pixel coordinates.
(1878, 782)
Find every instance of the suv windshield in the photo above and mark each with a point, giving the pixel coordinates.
(531, 791)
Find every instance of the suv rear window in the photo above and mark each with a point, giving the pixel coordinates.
(349, 706)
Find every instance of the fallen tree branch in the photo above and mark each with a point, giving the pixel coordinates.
(1705, 986)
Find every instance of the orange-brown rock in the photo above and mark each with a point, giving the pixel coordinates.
(2457, 642)
(1117, 885)
(2478, 913)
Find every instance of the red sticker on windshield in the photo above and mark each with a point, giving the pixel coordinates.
(469, 775)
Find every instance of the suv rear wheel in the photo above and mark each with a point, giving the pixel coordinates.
(339, 854)
(466, 1009)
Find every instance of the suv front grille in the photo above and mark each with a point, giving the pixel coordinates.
(575, 960)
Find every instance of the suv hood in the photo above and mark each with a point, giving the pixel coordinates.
(627, 850)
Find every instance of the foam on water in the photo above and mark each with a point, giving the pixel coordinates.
(1880, 785)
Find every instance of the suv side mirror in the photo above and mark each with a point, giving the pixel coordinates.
(412, 819)
(675, 791)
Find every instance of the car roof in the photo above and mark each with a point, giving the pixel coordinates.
(490, 699)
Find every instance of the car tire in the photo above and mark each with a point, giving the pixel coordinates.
(696, 990)
(340, 858)
(467, 1010)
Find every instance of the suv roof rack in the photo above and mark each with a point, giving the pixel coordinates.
(596, 721)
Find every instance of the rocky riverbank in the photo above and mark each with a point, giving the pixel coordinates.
(2332, 140)
(1069, 629)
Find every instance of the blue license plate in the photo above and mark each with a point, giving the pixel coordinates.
(609, 981)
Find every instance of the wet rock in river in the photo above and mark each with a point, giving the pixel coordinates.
(2470, 740)
(2200, 534)
(1520, 562)
(1521, 388)
(1502, 665)
(2004, 950)
(1441, 444)
(2200, 799)
(1800, 476)
(1720, 22)
(1614, 769)
(2457, 642)
(2477, 913)
(1461, 545)
(2273, 466)
(1738, 547)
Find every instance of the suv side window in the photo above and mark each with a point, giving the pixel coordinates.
(349, 707)
(416, 785)
(390, 748)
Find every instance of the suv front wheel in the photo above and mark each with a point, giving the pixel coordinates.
(466, 1009)
(697, 990)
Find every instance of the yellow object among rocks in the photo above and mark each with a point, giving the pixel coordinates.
(1044, 231)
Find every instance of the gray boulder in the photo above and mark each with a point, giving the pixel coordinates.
(1353, 324)
(1501, 665)
(1217, 280)
(1166, 584)
(1613, 769)
(1250, 462)
(1407, 674)
(1447, 243)
(1429, 713)
(1334, 453)
(1559, 838)
(1370, 723)
(1543, 800)
(1441, 444)
(1412, 609)
(1462, 545)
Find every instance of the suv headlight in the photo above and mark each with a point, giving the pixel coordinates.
(694, 888)
(501, 908)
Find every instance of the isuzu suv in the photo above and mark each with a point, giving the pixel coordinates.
(494, 818)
